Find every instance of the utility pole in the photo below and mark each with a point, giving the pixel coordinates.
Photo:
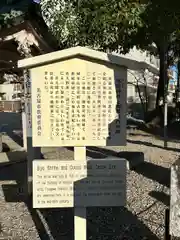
(178, 93)
(165, 95)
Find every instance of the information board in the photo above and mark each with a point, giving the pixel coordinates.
(79, 183)
(78, 103)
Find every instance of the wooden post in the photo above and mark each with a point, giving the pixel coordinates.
(24, 130)
(1, 143)
(167, 218)
(80, 230)
(32, 152)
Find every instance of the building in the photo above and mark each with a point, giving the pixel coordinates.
(26, 36)
(142, 78)
(142, 82)
(10, 90)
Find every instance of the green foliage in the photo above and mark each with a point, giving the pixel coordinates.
(9, 19)
(14, 11)
(62, 20)
(161, 21)
(98, 23)
(118, 25)
(115, 24)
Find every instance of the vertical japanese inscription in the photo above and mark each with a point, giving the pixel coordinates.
(39, 112)
(119, 108)
(27, 95)
(76, 101)
(81, 107)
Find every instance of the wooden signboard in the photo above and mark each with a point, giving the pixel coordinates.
(90, 183)
(76, 102)
(78, 99)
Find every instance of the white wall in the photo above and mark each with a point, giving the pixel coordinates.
(144, 56)
(139, 75)
(9, 90)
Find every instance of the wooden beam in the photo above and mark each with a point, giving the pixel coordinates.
(42, 43)
(12, 32)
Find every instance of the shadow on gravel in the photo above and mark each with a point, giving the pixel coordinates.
(93, 152)
(157, 132)
(133, 158)
(155, 172)
(139, 134)
(52, 223)
(103, 223)
(6, 148)
(12, 157)
(117, 223)
(15, 137)
(161, 197)
(152, 145)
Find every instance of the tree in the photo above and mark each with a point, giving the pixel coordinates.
(117, 25)
(101, 24)
(163, 31)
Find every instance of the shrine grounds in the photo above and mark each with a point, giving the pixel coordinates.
(142, 218)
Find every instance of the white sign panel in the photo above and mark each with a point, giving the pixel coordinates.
(79, 183)
(78, 103)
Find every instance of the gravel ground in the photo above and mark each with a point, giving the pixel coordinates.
(142, 218)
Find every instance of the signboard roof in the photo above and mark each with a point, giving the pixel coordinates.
(78, 51)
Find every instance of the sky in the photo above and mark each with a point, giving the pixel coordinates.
(37, 1)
